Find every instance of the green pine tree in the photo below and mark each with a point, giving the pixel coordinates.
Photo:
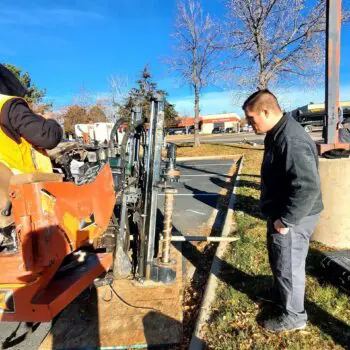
(140, 96)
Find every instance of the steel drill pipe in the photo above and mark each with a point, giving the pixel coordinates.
(200, 239)
(168, 223)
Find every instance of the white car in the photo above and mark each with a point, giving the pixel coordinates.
(246, 128)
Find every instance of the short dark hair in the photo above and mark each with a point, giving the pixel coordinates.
(262, 99)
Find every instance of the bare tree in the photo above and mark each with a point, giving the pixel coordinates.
(117, 95)
(84, 98)
(196, 50)
(275, 40)
(346, 11)
(119, 88)
(346, 16)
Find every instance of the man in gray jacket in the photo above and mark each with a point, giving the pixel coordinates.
(291, 201)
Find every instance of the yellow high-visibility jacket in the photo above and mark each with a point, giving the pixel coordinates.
(21, 157)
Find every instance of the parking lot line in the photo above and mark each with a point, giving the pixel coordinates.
(196, 212)
(192, 194)
(208, 174)
(200, 165)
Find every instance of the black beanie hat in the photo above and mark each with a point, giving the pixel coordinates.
(9, 84)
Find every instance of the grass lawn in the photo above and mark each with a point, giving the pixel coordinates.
(245, 270)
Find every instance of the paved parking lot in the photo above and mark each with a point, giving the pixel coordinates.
(195, 207)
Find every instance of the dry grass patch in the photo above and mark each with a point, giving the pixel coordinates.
(206, 149)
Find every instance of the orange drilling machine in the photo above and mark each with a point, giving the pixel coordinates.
(74, 227)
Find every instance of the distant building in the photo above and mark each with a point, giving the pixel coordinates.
(210, 121)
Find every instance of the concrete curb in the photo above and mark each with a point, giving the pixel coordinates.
(182, 159)
(209, 294)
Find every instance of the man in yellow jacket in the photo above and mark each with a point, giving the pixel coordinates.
(24, 136)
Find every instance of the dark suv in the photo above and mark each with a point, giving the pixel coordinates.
(177, 131)
(218, 130)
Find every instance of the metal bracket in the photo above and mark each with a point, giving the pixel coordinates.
(163, 272)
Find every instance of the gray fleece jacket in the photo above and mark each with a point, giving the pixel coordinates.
(290, 182)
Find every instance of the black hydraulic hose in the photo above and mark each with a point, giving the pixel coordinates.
(122, 156)
(116, 125)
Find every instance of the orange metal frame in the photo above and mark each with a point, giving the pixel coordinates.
(53, 219)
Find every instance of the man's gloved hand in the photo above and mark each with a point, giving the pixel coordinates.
(280, 228)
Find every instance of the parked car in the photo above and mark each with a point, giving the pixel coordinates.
(180, 132)
(218, 130)
(177, 131)
(229, 130)
(246, 128)
(191, 130)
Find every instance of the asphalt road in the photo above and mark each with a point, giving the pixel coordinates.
(232, 138)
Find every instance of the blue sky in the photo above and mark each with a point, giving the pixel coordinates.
(69, 44)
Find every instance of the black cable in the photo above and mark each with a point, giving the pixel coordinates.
(128, 304)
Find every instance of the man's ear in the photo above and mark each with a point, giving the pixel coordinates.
(266, 112)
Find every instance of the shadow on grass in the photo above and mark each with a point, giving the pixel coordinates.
(242, 183)
(184, 144)
(248, 205)
(338, 330)
(250, 175)
(249, 184)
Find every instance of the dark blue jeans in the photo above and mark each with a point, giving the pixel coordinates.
(287, 256)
